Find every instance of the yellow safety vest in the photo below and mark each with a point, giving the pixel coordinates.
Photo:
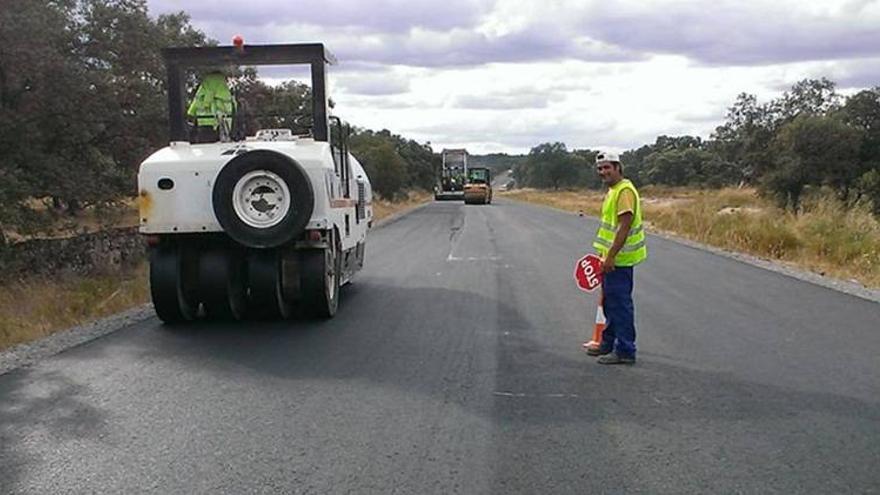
(213, 99)
(634, 250)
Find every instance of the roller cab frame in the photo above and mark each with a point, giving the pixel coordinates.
(452, 176)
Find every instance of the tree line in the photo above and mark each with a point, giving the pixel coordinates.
(810, 138)
(81, 99)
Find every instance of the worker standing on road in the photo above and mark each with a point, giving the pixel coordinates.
(620, 241)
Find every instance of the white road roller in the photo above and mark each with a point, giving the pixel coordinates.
(265, 225)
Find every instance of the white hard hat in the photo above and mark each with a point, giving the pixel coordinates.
(607, 156)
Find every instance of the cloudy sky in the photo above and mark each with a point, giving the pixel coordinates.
(505, 75)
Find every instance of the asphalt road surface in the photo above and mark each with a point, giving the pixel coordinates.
(455, 366)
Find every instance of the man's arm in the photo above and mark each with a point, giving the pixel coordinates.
(623, 229)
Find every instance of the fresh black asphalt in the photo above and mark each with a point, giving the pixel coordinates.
(454, 366)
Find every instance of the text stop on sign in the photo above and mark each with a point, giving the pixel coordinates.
(588, 272)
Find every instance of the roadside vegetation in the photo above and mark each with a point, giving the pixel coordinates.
(824, 234)
(36, 307)
(383, 208)
(811, 140)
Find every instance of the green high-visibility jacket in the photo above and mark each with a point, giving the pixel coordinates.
(213, 99)
(634, 250)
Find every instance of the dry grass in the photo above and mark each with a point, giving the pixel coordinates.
(588, 202)
(383, 208)
(30, 309)
(825, 236)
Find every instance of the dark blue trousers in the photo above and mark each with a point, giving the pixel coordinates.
(620, 325)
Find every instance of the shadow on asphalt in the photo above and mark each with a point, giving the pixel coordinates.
(52, 401)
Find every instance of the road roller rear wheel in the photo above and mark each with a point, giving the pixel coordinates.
(221, 284)
(320, 280)
(265, 281)
(173, 284)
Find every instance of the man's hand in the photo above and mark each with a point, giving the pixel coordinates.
(608, 264)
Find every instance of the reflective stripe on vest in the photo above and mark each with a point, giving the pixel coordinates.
(634, 250)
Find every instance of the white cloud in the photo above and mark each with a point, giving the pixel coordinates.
(378, 15)
(511, 99)
(733, 32)
(373, 83)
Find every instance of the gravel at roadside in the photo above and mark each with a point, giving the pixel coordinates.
(29, 353)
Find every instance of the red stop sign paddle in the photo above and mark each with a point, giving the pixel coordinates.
(588, 273)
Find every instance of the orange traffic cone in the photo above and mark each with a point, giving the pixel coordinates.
(598, 328)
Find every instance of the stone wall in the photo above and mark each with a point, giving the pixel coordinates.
(107, 251)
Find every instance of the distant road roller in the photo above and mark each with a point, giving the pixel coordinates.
(478, 188)
(268, 225)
